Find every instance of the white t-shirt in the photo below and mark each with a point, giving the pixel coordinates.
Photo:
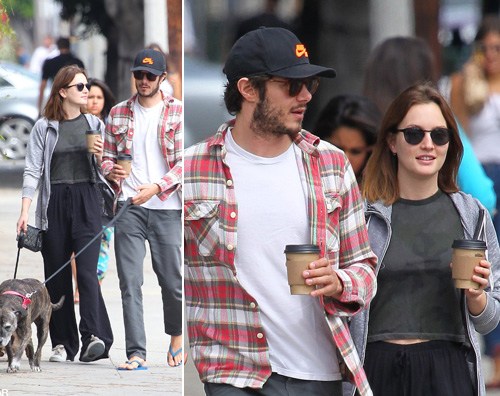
(148, 164)
(484, 131)
(272, 213)
(40, 55)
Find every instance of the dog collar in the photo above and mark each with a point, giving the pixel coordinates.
(26, 300)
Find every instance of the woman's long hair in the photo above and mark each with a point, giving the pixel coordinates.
(54, 108)
(381, 181)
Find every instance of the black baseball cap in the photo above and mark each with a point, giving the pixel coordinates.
(273, 51)
(151, 61)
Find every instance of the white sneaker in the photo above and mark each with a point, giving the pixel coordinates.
(59, 354)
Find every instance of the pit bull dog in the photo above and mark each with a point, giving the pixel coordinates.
(17, 313)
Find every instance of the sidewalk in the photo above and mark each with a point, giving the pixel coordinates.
(76, 378)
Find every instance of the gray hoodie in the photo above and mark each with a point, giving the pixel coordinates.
(379, 231)
(41, 143)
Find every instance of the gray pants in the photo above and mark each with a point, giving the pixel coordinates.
(279, 385)
(162, 229)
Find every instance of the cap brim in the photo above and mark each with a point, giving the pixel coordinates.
(148, 69)
(304, 70)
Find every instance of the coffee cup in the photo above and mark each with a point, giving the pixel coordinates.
(466, 256)
(298, 258)
(92, 136)
(125, 161)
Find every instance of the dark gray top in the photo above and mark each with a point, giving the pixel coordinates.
(416, 297)
(70, 162)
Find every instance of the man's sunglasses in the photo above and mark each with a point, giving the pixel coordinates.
(139, 75)
(414, 135)
(295, 84)
(79, 86)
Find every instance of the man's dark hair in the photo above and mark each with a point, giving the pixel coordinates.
(63, 43)
(233, 98)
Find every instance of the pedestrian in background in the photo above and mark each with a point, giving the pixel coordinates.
(350, 122)
(47, 50)
(69, 210)
(149, 127)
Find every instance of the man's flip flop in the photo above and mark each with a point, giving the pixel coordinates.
(174, 355)
(139, 367)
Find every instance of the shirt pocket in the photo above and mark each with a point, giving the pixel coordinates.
(122, 140)
(333, 206)
(202, 225)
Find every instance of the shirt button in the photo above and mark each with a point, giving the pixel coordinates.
(260, 336)
(229, 183)
(329, 206)
(230, 247)
(233, 215)
(252, 305)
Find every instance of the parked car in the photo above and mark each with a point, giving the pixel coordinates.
(19, 90)
(204, 108)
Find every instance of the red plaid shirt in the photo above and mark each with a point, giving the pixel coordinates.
(120, 133)
(225, 330)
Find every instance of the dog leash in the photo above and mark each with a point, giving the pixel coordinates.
(120, 212)
(17, 262)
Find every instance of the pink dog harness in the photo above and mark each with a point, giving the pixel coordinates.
(26, 300)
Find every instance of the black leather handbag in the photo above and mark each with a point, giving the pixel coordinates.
(31, 239)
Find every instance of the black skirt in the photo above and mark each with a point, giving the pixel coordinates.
(437, 368)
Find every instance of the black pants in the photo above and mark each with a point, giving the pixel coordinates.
(74, 216)
(437, 368)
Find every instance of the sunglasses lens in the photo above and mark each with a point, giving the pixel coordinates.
(440, 136)
(80, 86)
(296, 86)
(139, 75)
(312, 85)
(413, 135)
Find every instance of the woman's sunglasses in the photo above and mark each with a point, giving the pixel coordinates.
(414, 135)
(79, 86)
(295, 84)
(139, 75)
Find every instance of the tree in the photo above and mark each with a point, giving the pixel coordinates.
(122, 24)
(5, 29)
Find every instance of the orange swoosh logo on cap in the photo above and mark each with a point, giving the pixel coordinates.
(148, 60)
(300, 50)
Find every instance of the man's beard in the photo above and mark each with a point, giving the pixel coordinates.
(153, 92)
(268, 121)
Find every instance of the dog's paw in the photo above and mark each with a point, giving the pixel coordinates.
(12, 369)
(36, 369)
